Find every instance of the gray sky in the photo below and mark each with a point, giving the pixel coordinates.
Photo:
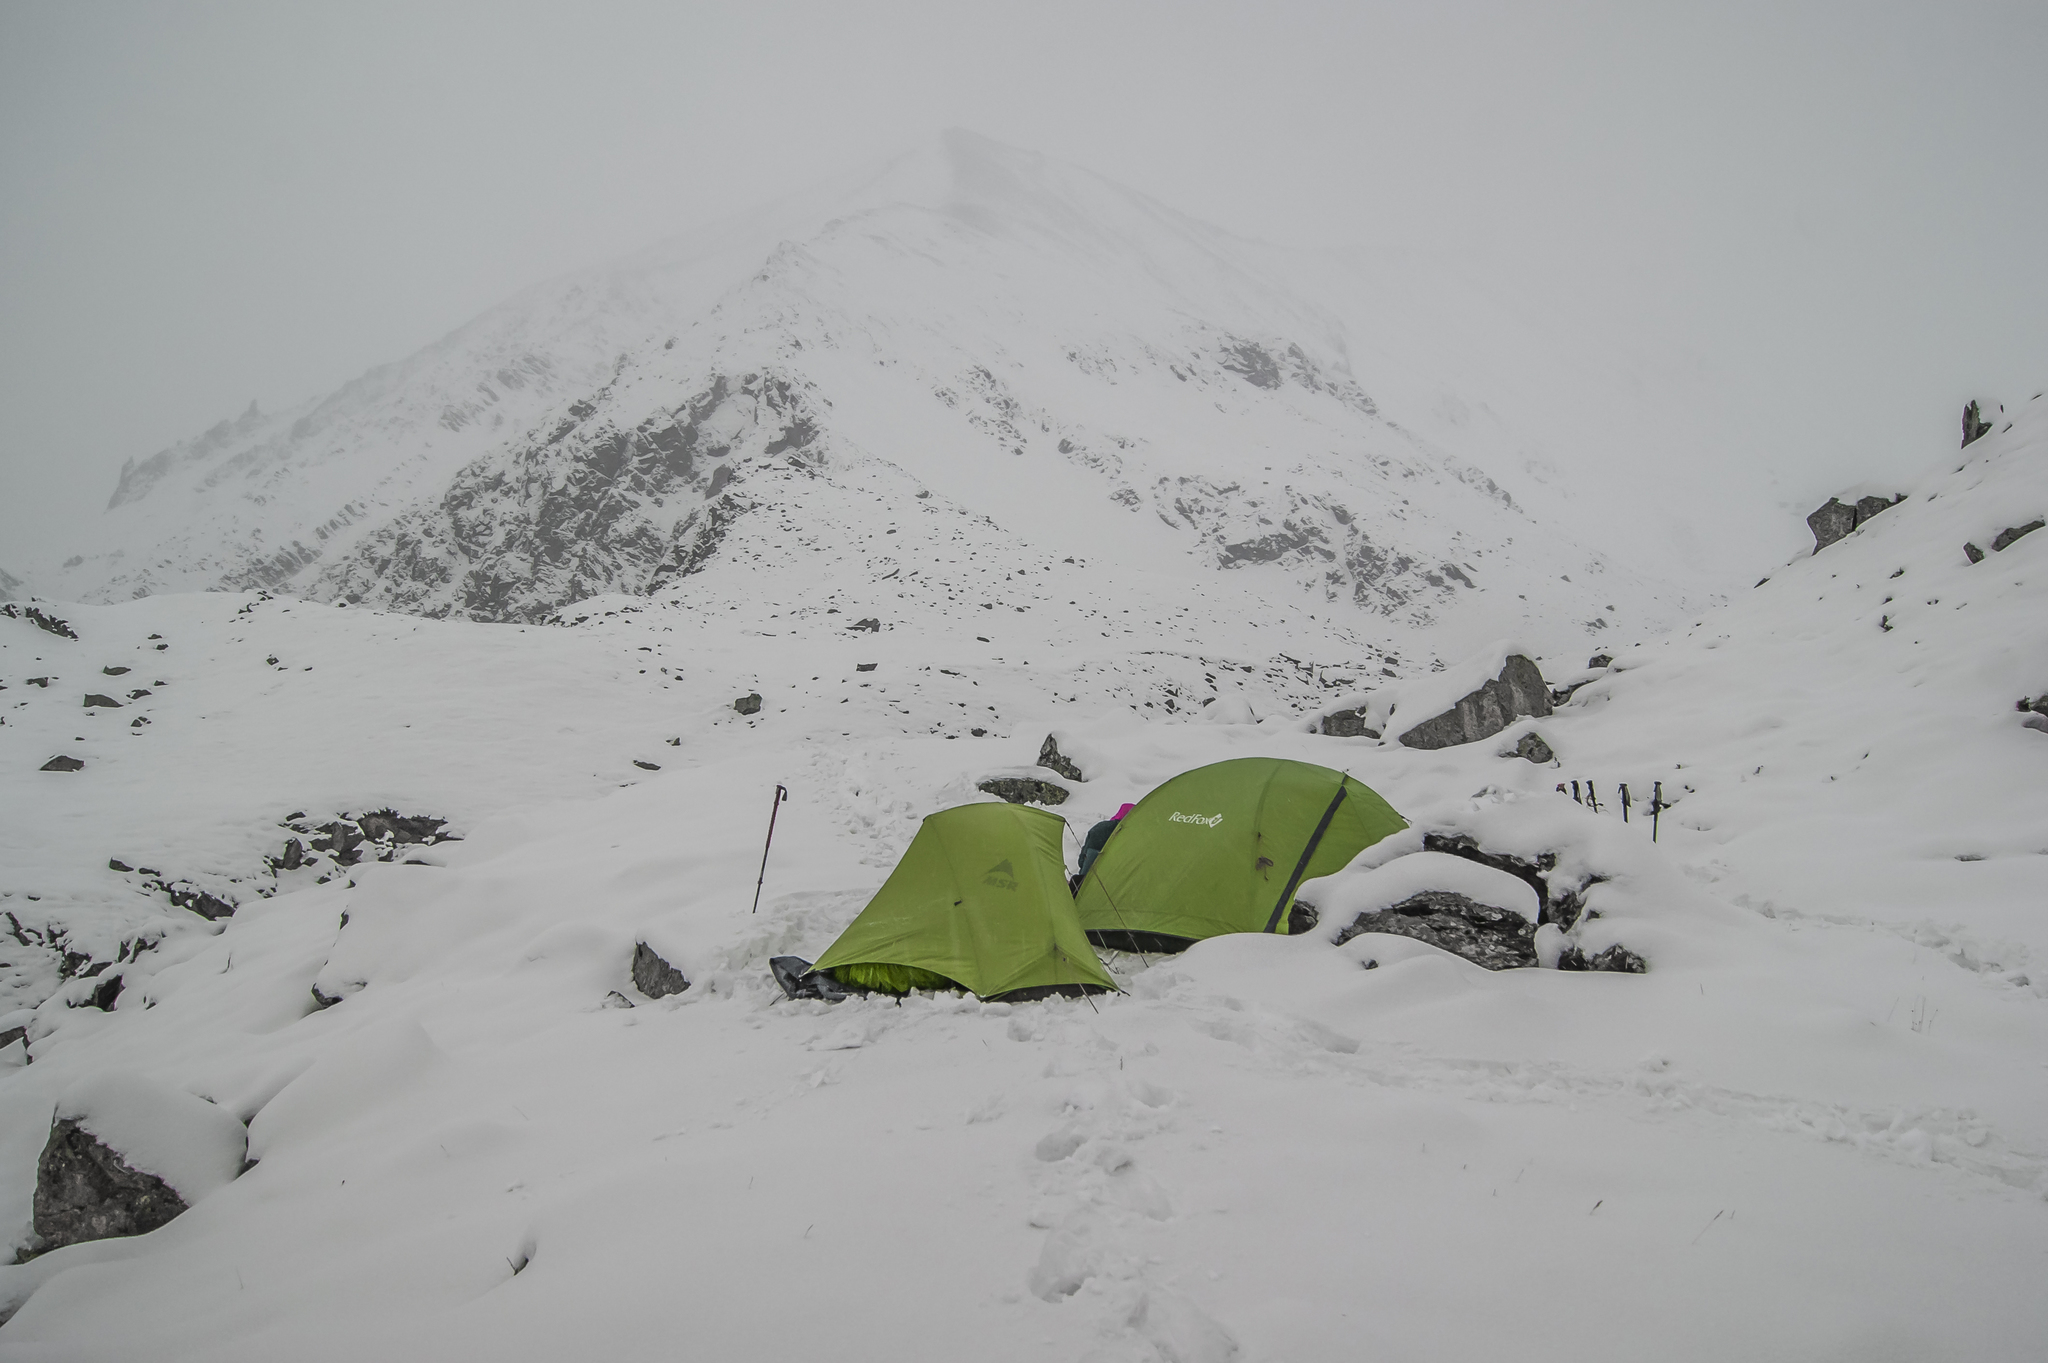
(1840, 207)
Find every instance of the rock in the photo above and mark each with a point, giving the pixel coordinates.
(323, 1001)
(85, 1191)
(1561, 904)
(50, 624)
(294, 855)
(1617, 958)
(871, 625)
(125, 1156)
(207, 906)
(1973, 553)
(1975, 427)
(1519, 691)
(1837, 518)
(655, 977)
(43, 682)
(865, 667)
(1532, 748)
(1347, 724)
(63, 764)
(2008, 535)
(1600, 660)
(116, 864)
(388, 825)
(1051, 758)
(748, 704)
(114, 671)
(1498, 939)
(1024, 790)
(646, 766)
(341, 840)
(105, 702)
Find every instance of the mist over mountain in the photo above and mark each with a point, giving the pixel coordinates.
(1016, 337)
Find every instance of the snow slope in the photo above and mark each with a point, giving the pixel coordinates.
(1091, 370)
(1816, 1128)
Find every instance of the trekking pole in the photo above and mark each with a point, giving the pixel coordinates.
(1656, 808)
(1624, 802)
(781, 794)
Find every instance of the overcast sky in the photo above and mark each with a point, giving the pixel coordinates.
(1842, 207)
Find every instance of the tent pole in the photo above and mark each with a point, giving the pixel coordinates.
(781, 794)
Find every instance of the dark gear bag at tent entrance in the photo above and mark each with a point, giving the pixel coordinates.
(978, 902)
(1222, 849)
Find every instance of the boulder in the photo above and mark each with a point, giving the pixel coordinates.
(1498, 939)
(1836, 519)
(1617, 958)
(655, 977)
(61, 763)
(1348, 724)
(1024, 790)
(871, 625)
(1051, 758)
(748, 704)
(126, 1155)
(2011, 533)
(103, 702)
(1975, 427)
(1531, 748)
(1518, 692)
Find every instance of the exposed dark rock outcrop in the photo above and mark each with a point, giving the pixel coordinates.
(1498, 939)
(1531, 748)
(61, 763)
(1836, 519)
(1617, 958)
(1024, 790)
(1975, 427)
(102, 702)
(86, 1191)
(49, 624)
(1051, 758)
(1562, 901)
(749, 704)
(655, 977)
(2007, 536)
(1518, 692)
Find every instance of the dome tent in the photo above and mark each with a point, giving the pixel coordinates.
(978, 902)
(1222, 848)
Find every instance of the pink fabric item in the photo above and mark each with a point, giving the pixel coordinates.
(1121, 812)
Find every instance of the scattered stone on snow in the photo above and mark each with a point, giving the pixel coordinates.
(1518, 692)
(1560, 905)
(865, 667)
(49, 624)
(2036, 711)
(62, 763)
(646, 766)
(1838, 518)
(871, 625)
(115, 671)
(104, 702)
(1051, 758)
(655, 977)
(1973, 553)
(85, 1191)
(322, 1001)
(1600, 660)
(1617, 958)
(1531, 748)
(748, 704)
(1024, 790)
(1498, 939)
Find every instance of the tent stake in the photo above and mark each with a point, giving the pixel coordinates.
(781, 794)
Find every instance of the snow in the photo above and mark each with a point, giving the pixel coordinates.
(1351, 892)
(1816, 1128)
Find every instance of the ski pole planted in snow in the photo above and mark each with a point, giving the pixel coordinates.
(1624, 802)
(781, 794)
(1656, 807)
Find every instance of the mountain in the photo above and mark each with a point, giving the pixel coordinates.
(1017, 338)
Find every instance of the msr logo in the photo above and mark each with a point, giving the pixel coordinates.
(1206, 820)
(1002, 875)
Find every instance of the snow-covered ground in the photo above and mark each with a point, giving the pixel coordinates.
(1816, 1128)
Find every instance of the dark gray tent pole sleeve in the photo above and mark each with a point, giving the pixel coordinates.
(1300, 867)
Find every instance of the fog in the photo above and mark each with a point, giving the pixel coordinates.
(1832, 211)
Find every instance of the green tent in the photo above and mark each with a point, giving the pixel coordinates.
(980, 902)
(1222, 849)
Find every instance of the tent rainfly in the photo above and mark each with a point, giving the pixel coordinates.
(979, 902)
(1222, 849)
